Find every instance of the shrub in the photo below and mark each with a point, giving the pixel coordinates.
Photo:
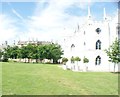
(72, 59)
(64, 60)
(85, 60)
(5, 58)
(77, 59)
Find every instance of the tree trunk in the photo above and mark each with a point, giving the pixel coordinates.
(19, 59)
(36, 60)
(54, 61)
(28, 60)
(114, 66)
(25, 60)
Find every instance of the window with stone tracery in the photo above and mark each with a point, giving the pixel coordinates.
(72, 47)
(98, 60)
(98, 45)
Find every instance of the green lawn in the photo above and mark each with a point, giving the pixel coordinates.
(40, 79)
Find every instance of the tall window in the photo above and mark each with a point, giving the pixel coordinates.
(84, 32)
(98, 60)
(84, 43)
(118, 29)
(72, 47)
(98, 45)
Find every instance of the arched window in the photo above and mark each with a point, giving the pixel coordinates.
(84, 43)
(98, 60)
(98, 45)
(118, 29)
(72, 47)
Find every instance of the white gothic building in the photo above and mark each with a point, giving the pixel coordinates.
(90, 41)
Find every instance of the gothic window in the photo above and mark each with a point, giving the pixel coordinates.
(98, 60)
(98, 45)
(98, 30)
(84, 32)
(84, 43)
(72, 47)
(118, 30)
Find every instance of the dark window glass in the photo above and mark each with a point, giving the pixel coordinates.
(84, 32)
(84, 43)
(98, 45)
(72, 46)
(98, 60)
(98, 30)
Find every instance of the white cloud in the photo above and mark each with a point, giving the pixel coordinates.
(17, 14)
(50, 23)
(7, 30)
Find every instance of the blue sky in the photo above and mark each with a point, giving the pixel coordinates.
(48, 19)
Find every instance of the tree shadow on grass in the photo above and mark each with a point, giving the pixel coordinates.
(115, 72)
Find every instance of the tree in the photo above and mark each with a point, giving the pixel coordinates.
(72, 59)
(24, 52)
(5, 57)
(77, 59)
(41, 52)
(8, 51)
(35, 53)
(64, 60)
(85, 60)
(55, 52)
(14, 52)
(19, 54)
(113, 52)
(1, 53)
(47, 51)
(30, 51)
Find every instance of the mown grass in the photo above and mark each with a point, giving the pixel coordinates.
(47, 79)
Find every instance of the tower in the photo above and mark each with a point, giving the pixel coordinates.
(89, 13)
(104, 14)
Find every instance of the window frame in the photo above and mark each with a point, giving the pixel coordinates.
(98, 45)
(98, 60)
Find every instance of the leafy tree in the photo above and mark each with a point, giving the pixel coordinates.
(14, 52)
(1, 53)
(77, 59)
(30, 51)
(55, 52)
(72, 59)
(8, 51)
(24, 52)
(48, 51)
(85, 60)
(41, 52)
(113, 52)
(64, 60)
(35, 53)
(5, 57)
(19, 54)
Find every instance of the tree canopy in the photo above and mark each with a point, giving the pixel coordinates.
(113, 52)
(85, 60)
(47, 51)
